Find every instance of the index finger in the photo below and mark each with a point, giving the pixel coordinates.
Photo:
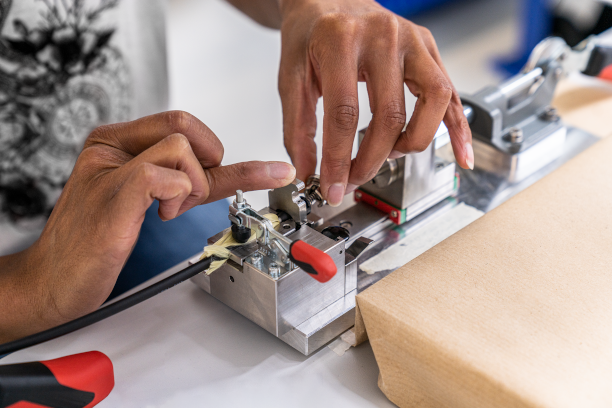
(137, 136)
(223, 181)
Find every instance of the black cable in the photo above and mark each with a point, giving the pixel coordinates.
(107, 311)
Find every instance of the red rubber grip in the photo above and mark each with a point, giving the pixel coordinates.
(312, 260)
(80, 380)
(606, 73)
(91, 371)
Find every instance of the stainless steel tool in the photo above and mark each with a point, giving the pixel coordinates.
(518, 139)
(515, 128)
(264, 282)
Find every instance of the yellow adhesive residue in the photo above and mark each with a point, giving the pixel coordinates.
(220, 249)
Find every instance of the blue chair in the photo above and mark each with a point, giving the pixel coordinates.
(536, 21)
(161, 245)
(408, 8)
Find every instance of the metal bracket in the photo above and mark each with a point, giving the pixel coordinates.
(287, 199)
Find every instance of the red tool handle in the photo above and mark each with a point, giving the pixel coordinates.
(600, 62)
(312, 260)
(606, 73)
(77, 381)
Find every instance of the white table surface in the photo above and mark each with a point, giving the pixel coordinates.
(183, 348)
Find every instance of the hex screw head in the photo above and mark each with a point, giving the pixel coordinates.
(394, 214)
(515, 135)
(551, 114)
(256, 258)
(358, 195)
(274, 270)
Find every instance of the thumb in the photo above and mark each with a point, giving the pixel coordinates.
(248, 176)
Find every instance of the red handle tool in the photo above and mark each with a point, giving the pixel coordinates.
(77, 381)
(606, 73)
(312, 260)
(600, 63)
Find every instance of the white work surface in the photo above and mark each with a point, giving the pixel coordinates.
(185, 349)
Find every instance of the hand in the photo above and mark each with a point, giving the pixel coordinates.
(330, 45)
(72, 268)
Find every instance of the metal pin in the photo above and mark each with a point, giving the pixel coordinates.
(239, 197)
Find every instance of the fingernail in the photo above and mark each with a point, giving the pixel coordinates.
(350, 188)
(469, 156)
(335, 194)
(281, 171)
(395, 154)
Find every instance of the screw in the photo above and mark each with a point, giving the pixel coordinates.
(274, 270)
(515, 135)
(358, 195)
(394, 214)
(256, 258)
(550, 114)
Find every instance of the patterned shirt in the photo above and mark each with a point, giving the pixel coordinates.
(66, 67)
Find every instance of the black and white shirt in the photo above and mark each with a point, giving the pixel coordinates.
(66, 67)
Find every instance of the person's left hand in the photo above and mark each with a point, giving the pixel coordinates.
(330, 45)
(71, 269)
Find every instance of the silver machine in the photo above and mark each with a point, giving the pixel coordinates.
(518, 139)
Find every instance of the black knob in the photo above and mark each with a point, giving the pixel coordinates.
(241, 233)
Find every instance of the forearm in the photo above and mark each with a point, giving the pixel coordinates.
(20, 297)
(265, 12)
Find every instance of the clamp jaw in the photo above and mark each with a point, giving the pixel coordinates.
(289, 254)
(244, 219)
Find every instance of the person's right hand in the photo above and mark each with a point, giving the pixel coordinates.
(328, 46)
(171, 157)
